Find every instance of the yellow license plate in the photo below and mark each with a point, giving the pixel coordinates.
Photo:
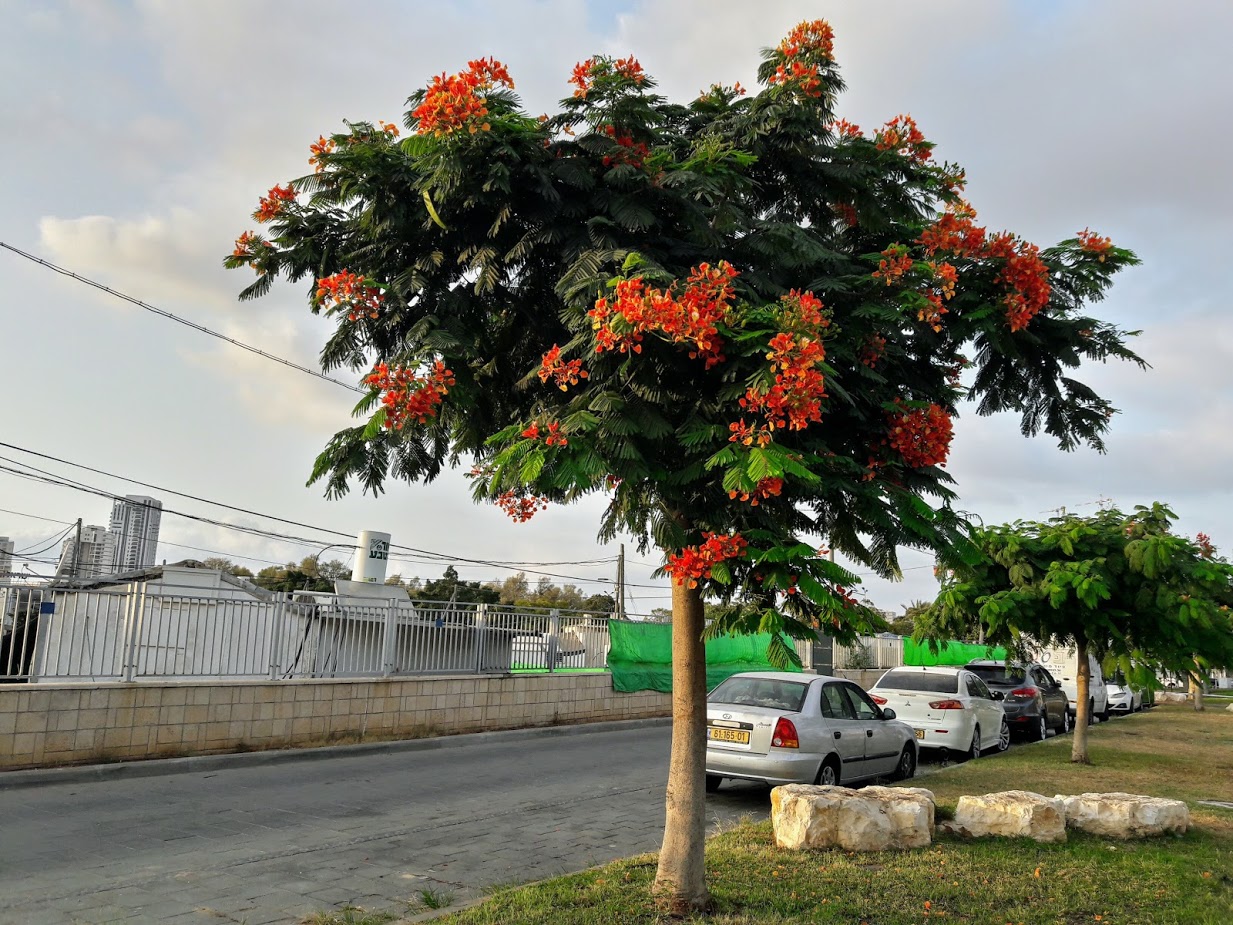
(920, 733)
(739, 736)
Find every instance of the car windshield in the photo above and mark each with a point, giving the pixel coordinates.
(999, 674)
(920, 681)
(760, 692)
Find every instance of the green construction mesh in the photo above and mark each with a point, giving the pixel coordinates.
(949, 653)
(640, 656)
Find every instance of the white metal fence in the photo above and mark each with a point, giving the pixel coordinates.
(143, 631)
(870, 652)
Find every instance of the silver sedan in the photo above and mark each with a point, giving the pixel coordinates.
(784, 728)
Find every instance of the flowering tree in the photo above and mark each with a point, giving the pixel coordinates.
(1123, 588)
(742, 319)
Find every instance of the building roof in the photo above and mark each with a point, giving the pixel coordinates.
(157, 572)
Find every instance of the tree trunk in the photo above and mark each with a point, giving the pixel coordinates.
(680, 884)
(1196, 693)
(1083, 713)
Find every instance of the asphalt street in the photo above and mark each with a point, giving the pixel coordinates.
(272, 843)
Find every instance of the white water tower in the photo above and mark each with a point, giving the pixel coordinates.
(372, 550)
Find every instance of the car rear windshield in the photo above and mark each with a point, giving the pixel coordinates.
(788, 696)
(920, 681)
(999, 674)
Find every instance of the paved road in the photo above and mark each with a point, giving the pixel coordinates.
(269, 844)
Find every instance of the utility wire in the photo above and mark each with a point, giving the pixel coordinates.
(184, 321)
(4, 510)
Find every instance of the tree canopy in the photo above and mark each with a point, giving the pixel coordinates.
(1122, 587)
(745, 320)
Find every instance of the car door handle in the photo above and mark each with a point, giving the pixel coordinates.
(838, 734)
(869, 733)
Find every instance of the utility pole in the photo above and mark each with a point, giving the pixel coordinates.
(620, 595)
(77, 550)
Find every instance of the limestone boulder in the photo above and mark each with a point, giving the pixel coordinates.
(1171, 697)
(872, 819)
(1013, 813)
(1125, 815)
(1229, 708)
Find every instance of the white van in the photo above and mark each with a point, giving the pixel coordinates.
(1063, 664)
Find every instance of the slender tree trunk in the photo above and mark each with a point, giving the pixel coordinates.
(680, 884)
(1083, 712)
(1196, 693)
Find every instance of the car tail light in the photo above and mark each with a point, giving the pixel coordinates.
(785, 734)
(876, 699)
(1023, 692)
(945, 705)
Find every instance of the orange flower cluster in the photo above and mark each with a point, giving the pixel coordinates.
(692, 317)
(766, 488)
(1206, 549)
(458, 101)
(847, 212)
(845, 129)
(921, 436)
(1093, 243)
(894, 264)
(585, 72)
(873, 350)
(1026, 276)
(805, 76)
(694, 562)
(391, 129)
(553, 437)
(320, 149)
(632, 153)
(814, 38)
(954, 232)
(933, 310)
(902, 136)
(521, 508)
(1024, 273)
(748, 436)
(946, 277)
(410, 397)
(272, 202)
(347, 289)
(244, 245)
(563, 373)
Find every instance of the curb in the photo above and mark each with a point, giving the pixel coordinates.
(160, 767)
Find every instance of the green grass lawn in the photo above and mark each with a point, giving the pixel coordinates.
(1170, 751)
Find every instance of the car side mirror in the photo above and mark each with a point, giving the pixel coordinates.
(998, 695)
(888, 713)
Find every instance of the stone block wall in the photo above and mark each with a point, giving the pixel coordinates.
(46, 725)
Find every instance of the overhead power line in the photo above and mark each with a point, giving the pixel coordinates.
(133, 300)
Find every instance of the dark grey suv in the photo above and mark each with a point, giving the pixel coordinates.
(1034, 702)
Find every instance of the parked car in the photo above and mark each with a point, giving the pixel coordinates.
(1122, 697)
(783, 727)
(1034, 701)
(948, 708)
(1063, 664)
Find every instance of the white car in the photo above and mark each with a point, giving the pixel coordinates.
(1123, 698)
(1063, 664)
(947, 708)
(784, 727)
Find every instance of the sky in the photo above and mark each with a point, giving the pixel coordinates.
(141, 135)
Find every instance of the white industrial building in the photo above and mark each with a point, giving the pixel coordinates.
(132, 537)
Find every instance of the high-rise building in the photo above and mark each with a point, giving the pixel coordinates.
(6, 559)
(90, 559)
(132, 538)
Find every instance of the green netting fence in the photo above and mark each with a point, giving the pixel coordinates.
(949, 653)
(640, 656)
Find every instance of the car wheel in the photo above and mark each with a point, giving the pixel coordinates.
(1041, 729)
(1065, 723)
(1091, 713)
(906, 769)
(973, 751)
(712, 782)
(1104, 717)
(828, 774)
(1004, 736)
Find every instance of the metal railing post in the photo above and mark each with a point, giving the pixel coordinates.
(130, 632)
(389, 637)
(554, 632)
(276, 634)
(481, 636)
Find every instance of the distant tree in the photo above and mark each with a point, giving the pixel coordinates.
(600, 603)
(1123, 588)
(395, 580)
(449, 587)
(512, 589)
(226, 565)
(905, 624)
